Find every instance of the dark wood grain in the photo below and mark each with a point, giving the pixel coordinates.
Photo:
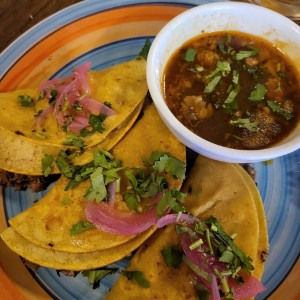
(17, 16)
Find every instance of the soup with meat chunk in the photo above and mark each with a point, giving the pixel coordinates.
(233, 89)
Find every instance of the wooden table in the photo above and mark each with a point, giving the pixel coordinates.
(17, 16)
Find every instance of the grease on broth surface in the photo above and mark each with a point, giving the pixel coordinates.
(233, 89)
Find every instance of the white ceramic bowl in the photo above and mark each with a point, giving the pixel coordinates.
(243, 17)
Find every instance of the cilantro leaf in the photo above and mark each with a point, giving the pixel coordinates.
(170, 164)
(172, 256)
(258, 93)
(190, 54)
(212, 84)
(223, 68)
(172, 199)
(230, 102)
(25, 100)
(81, 226)
(131, 200)
(146, 186)
(74, 140)
(275, 107)
(94, 276)
(245, 261)
(246, 53)
(46, 164)
(145, 50)
(138, 276)
(244, 123)
(65, 168)
(105, 160)
(97, 190)
(97, 122)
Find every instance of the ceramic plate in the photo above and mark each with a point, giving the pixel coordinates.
(107, 33)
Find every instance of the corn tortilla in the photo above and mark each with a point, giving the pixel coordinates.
(22, 148)
(47, 223)
(219, 189)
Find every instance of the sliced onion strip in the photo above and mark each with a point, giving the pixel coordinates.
(109, 219)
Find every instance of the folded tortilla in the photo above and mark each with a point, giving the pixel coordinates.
(219, 189)
(23, 145)
(42, 231)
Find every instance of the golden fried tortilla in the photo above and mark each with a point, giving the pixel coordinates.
(47, 223)
(263, 240)
(61, 260)
(219, 189)
(23, 145)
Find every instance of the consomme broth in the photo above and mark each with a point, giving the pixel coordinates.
(233, 89)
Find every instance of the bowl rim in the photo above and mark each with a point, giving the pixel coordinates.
(191, 139)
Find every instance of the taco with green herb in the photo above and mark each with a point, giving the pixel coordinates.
(85, 110)
(216, 251)
(129, 187)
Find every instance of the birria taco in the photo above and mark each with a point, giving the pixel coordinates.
(87, 109)
(176, 263)
(125, 185)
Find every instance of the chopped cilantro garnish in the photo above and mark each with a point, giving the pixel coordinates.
(97, 190)
(244, 123)
(276, 108)
(81, 226)
(190, 54)
(97, 122)
(145, 50)
(94, 276)
(132, 200)
(74, 140)
(230, 102)
(172, 199)
(212, 84)
(222, 69)
(46, 164)
(167, 163)
(221, 235)
(25, 100)
(77, 105)
(108, 104)
(138, 276)
(65, 168)
(172, 256)
(196, 269)
(53, 94)
(258, 93)
(246, 53)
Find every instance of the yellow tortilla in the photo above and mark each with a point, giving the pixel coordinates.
(22, 157)
(219, 189)
(22, 148)
(47, 224)
(263, 240)
(60, 260)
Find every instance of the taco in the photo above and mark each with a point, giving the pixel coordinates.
(85, 110)
(218, 193)
(59, 231)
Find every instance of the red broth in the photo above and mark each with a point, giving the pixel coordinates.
(233, 89)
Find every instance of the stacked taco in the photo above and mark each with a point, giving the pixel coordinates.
(46, 233)
(86, 110)
(123, 187)
(221, 195)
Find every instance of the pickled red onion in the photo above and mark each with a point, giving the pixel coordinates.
(251, 287)
(208, 263)
(175, 218)
(73, 104)
(107, 218)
